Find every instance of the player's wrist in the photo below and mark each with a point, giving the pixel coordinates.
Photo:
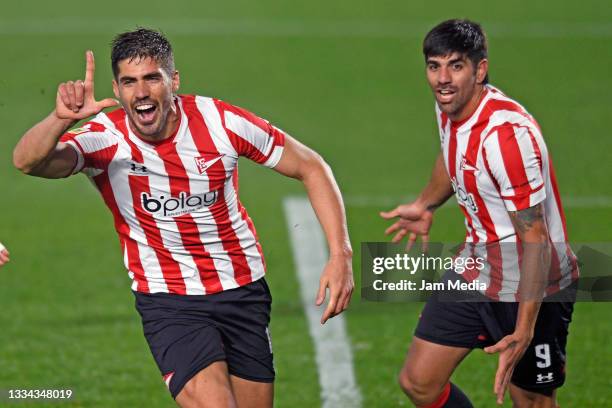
(345, 252)
(64, 121)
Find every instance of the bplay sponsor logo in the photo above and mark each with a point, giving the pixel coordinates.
(168, 206)
(463, 197)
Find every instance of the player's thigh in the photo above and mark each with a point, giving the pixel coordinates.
(527, 399)
(252, 394)
(243, 318)
(541, 370)
(209, 388)
(429, 365)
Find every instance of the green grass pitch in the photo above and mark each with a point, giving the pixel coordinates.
(345, 77)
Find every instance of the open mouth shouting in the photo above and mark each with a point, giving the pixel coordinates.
(146, 113)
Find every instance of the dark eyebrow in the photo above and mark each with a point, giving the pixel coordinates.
(154, 75)
(454, 60)
(126, 78)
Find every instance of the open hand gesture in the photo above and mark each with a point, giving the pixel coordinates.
(510, 348)
(413, 220)
(75, 99)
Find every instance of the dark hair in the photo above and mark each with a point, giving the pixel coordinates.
(142, 43)
(463, 36)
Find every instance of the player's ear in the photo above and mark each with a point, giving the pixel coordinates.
(116, 88)
(176, 81)
(481, 70)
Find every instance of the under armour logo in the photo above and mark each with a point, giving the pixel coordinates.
(541, 378)
(138, 169)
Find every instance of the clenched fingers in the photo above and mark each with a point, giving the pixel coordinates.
(79, 92)
(71, 95)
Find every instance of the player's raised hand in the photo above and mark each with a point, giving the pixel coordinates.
(413, 220)
(4, 255)
(338, 278)
(75, 99)
(510, 348)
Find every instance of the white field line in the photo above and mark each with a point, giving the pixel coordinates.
(293, 27)
(332, 347)
(386, 202)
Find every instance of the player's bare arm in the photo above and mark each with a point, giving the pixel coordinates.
(302, 163)
(38, 153)
(415, 218)
(530, 226)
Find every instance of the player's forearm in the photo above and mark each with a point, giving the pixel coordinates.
(39, 142)
(439, 189)
(535, 262)
(327, 203)
(527, 316)
(532, 232)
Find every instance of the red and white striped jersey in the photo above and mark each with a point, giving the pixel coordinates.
(498, 162)
(175, 203)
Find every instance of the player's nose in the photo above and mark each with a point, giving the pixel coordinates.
(444, 76)
(141, 90)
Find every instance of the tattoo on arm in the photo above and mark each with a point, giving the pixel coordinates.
(523, 220)
(432, 207)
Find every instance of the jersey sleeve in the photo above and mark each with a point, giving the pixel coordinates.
(252, 136)
(514, 160)
(94, 148)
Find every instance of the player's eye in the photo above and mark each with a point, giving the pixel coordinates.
(432, 67)
(457, 66)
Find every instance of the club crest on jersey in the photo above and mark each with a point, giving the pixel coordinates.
(463, 197)
(176, 206)
(465, 166)
(204, 164)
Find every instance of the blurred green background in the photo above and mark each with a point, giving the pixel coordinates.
(344, 77)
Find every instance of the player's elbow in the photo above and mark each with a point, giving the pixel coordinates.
(21, 163)
(313, 166)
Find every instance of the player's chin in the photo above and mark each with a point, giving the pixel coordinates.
(446, 107)
(148, 127)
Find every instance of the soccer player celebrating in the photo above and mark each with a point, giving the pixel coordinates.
(166, 167)
(494, 159)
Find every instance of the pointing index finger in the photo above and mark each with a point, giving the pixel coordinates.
(90, 67)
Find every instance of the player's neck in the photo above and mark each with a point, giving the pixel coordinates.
(470, 107)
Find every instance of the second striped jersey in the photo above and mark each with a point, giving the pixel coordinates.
(497, 162)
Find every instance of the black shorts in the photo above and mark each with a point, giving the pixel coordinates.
(481, 324)
(186, 333)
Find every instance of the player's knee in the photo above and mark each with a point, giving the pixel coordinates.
(421, 390)
(208, 388)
